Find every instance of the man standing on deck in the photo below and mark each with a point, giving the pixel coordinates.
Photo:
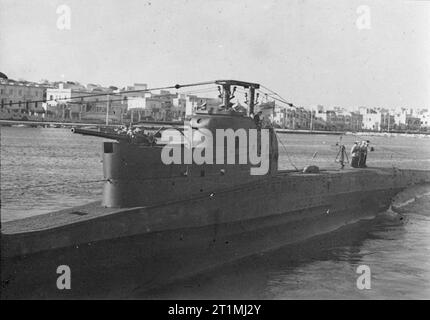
(363, 154)
(355, 154)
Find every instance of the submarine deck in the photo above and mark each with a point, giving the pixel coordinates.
(93, 210)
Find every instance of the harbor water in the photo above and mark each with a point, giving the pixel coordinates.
(46, 169)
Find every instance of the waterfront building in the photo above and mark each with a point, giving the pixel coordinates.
(302, 118)
(179, 104)
(279, 116)
(356, 121)
(400, 118)
(144, 108)
(371, 119)
(330, 119)
(267, 108)
(293, 118)
(337, 119)
(387, 120)
(425, 119)
(194, 103)
(21, 100)
(413, 122)
(407, 119)
(153, 106)
(78, 103)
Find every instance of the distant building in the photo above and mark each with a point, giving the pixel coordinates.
(292, 117)
(279, 117)
(162, 106)
(194, 103)
(356, 121)
(21, 99)
(387, 121)
(400, 119)
(179, 105)
(76, 102)
(267, 109)
(144, 108)
(371, 119)
(332, 121)
(413, 123)
(425, 119)
(407, 119)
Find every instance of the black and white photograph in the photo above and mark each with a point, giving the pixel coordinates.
(199, 151)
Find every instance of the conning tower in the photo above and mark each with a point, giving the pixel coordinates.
(136, 175)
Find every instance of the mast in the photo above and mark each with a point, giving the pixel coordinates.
(251, 100)
(226, 95)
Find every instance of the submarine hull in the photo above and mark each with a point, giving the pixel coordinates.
(113, 253)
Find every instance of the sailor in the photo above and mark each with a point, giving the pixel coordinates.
(355, 154)
(366, 146)
(258, 119)
(363, 154)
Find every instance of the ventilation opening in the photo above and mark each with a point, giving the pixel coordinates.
(108, 147)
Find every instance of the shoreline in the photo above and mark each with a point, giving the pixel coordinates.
(59, 124)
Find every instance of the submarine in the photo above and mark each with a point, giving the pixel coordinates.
(159, 222)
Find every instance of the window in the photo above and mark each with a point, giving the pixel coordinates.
(51, 97)
(10, 91)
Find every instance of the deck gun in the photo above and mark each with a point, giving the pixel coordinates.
(124, 134)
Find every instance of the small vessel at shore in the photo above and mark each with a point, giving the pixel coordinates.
(159, 222)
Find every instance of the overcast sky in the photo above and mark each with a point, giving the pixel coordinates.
(311, 52)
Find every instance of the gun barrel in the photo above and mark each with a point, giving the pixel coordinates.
(101, 134)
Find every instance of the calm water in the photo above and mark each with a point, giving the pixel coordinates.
(47, 169)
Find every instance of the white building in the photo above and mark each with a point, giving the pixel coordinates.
(145, 107)
(193, 103)
(371, 119)
(54, 96)
(425, 119)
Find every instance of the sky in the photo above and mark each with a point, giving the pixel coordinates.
(329, 52)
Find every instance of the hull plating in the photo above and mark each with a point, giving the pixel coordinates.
(118, 266)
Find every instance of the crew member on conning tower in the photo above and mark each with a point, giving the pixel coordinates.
(258, 119)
